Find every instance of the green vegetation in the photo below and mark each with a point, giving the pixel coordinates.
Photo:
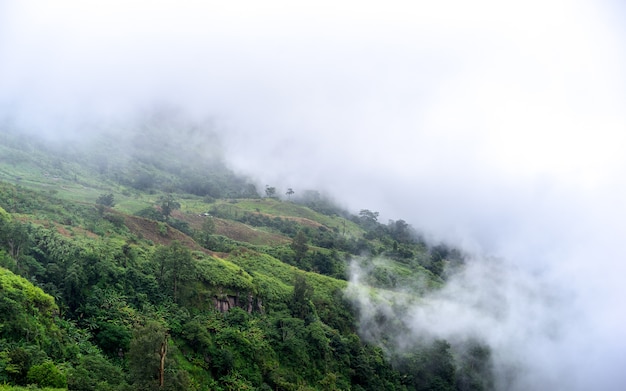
(129, 269)
(8, 387)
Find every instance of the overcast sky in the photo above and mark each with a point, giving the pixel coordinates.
(500, 127)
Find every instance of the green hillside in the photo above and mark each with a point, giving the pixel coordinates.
(124, 266)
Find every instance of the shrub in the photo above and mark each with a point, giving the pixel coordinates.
(46, 375)
(106, 200)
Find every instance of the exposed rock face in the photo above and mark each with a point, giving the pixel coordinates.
(250, 299)
(224, 303)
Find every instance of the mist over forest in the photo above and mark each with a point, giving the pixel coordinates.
(495, 129)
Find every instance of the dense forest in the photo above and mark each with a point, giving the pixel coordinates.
(138, 260)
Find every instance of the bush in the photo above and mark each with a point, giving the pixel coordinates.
(46, 375)
(182, 226)
(94, 372)
(106, 200)
(150, 213)
(117, 220)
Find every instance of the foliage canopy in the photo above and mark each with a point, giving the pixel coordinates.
(210, 288)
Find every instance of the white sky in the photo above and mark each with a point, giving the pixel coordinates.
(497, 126)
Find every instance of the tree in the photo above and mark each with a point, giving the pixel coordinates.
(368, 219)
(326, 263)
(299, 245)
(106, 200)
(301, 305)
(175, 265)
(203, 236)
(475, 371)
(429, 368)
(146, 356)
(16, 238)
(152, 360)
(74, 284)
(401, 231)
(290, 192)
(168, 204)
(270, 191)
(368, 215)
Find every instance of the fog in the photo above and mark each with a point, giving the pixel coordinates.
(496, 127)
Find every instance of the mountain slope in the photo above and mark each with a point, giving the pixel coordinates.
(165, 280)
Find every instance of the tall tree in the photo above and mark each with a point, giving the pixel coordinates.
(270, 191)
(301, 305)
(368, 219)
(203, 236)
(174, 266)
(168, 204)
(290, 192)
(16, 238)
(299, 245)
(145, 357)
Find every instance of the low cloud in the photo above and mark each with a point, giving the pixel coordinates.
(531, 327)
(495, 127)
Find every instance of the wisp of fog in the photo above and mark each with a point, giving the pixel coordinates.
(496, 127)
